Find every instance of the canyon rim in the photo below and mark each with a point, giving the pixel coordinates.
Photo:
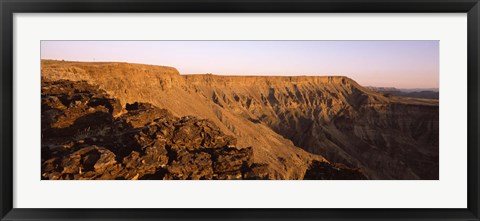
(129, 121)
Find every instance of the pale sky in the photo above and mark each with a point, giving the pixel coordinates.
(401, 64)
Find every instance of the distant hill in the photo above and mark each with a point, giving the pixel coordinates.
(426, 93)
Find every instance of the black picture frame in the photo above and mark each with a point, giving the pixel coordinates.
(9, 7)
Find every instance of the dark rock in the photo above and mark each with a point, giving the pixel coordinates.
(326, 171)
(89, 163)
(232, 161)
(140, 114)
(188, 165)
(257, 172)
(75, 110)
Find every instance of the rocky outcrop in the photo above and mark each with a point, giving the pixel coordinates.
(87, 135)
(82, 139)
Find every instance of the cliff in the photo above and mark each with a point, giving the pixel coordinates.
(289, 122)
(87, 134)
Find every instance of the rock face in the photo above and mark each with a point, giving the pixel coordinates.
(388, 137)
(289, 122)
(87, 135)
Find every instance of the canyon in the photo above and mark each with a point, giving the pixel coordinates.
(278, 127)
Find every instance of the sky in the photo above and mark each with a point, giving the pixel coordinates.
(401, 64)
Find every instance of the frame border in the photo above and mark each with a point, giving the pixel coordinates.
(9, 7)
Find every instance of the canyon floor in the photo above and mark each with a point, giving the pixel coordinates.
(111, 120)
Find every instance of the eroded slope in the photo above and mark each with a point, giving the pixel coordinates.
(390, 137)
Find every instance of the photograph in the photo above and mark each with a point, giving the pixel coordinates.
(239, 110)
